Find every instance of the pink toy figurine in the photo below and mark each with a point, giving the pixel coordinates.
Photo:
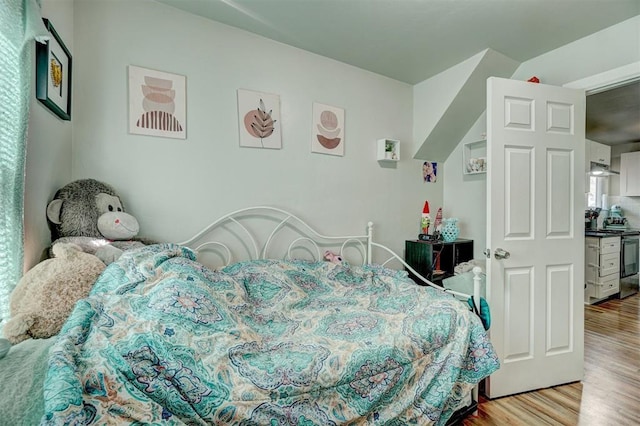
(332, 257)
(438, 222)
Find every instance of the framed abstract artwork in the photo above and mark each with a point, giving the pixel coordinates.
(157, 103)
(259, 119)
(328, 130)
(53, 74)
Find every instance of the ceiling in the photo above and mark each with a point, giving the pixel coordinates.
(613, 116)
(413, 40)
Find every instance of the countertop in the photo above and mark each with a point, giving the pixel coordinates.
(607, 233)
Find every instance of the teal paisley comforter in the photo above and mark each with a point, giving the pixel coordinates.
(163, 340)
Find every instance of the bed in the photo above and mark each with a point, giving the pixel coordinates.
(247, 324)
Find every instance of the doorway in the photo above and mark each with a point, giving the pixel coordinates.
(613, 111)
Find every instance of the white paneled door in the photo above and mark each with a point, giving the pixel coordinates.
(535, 235)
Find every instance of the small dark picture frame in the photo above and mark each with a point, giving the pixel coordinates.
(53, 74)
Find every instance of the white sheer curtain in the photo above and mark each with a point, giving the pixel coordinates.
(20, 25)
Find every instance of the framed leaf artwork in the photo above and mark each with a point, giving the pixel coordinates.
(259, 119)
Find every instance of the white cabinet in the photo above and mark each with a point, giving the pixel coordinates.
(630, 174)
(595, 152)
(599, 153)
(602, 267)
(388, 150)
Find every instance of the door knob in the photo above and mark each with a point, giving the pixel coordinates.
(501, 254)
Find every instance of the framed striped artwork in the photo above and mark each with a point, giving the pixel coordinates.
(157, 103)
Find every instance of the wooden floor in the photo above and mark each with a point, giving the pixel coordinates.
(610, 391)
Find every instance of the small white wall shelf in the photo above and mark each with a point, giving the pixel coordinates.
(474, 157)
(388, 150)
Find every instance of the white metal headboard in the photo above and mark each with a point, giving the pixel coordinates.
(278, 235)
(265, 232)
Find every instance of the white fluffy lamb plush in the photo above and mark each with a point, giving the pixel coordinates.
(45, 296)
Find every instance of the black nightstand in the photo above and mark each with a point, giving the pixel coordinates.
(426, 256)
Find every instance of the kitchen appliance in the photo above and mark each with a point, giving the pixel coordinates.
(629, 264)
(598, 169)
(616, 219)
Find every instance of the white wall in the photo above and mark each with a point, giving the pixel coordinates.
(175, 187)
(48, 162)
(608, 49)
(465, 196)
(431, 98)
(459, 195)
(605, 50)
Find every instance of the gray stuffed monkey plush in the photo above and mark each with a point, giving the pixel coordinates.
(90, 214)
